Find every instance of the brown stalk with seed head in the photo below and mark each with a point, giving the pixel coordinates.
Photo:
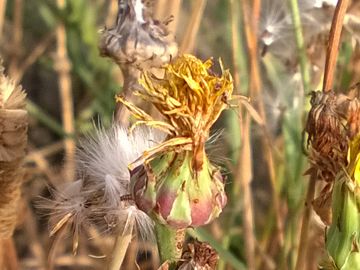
(13, 141)
(330, 65)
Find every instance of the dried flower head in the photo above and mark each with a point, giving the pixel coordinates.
(190, 97)
(327, 135)
(138, 39)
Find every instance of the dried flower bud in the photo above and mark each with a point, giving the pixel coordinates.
(137, 39)
(327, 135)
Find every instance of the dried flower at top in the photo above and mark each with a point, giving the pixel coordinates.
(13, 142)
(137, 39)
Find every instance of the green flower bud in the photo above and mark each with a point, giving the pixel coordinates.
(169, 188)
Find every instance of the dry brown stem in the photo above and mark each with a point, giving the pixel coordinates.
(16, 47)
(333, 45)
(2, 15)
(188, 43)
(303, 244)
(63, 67)
(244, 175)
(13, 141)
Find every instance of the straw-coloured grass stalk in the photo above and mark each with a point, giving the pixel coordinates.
(13, 140)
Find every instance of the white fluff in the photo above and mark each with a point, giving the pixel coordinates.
(97, 198)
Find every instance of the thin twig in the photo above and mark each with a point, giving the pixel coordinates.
(244, 175)
(121, 245)
(33, 56)
(333, 46)
(188, 43)
(17, 37)
(2, 15)
(174, 10)
(302, 250)
(63, 67)
(10, 260)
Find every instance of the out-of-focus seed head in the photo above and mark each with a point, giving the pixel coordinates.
(138, 40)
(102, 195)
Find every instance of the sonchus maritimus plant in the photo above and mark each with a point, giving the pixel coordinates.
(174, 182)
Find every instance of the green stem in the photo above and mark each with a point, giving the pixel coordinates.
(170, 242)
(300, 43)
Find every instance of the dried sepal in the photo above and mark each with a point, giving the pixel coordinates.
(198, 256)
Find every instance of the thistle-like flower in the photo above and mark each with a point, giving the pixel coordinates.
(102, 196)
(177, 182)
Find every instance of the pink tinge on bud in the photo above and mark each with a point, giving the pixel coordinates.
(175, 195)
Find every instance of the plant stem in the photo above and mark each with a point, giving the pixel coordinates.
(122, 242)
(334, 41)
(302, 250)
(188, 43)
(300, 43)
(170, 243)
(63, 68)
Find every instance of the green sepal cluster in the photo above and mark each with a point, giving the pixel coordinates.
(178, 196)
(343, 236)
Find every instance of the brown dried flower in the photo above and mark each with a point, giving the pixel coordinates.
(327, 135)
(198, 255)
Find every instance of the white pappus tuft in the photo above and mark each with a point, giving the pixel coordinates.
(102, 197)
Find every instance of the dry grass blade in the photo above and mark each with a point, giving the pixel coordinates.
(302, 251)
(63, 67)
(2, 15)
(17, 37)
(333, 45)
(121, 244)
(244, 175)
(188, 43)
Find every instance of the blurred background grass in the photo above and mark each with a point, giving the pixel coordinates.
(261, 224)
